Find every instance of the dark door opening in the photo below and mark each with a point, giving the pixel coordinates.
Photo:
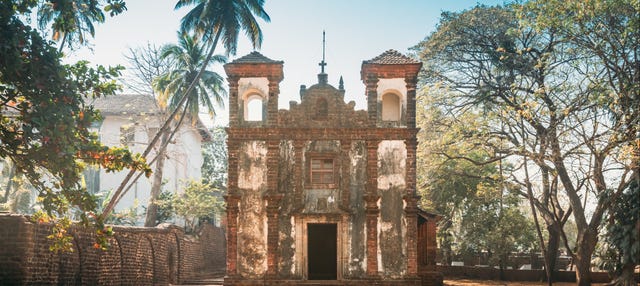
(322, 251)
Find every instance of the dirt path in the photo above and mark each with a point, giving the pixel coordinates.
(471, 282)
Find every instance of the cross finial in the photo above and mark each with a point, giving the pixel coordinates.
(323, 63)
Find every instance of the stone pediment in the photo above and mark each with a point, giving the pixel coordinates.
(322, 106)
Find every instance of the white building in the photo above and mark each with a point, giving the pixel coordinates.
(132, 120)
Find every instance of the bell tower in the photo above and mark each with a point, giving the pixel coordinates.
(254, 86)
(391, 80)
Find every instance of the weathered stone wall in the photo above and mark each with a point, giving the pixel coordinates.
(136, 256)
(392, 156)
(252, 233)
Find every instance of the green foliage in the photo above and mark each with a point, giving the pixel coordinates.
(198, 202)
(623, 229)
(215, 159)
(188, 58)
(44, 119)
(61, 241)
(226, 19)
(460, 179)
(70, 20)
(165, 207)
(556, 85)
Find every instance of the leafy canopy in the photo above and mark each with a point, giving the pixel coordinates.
(45, 122)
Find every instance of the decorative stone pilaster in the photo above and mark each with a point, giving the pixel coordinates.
(345, 146)
(372, 99)
(372, 211)
(411, 208)
(372, 166)
(273, 206)
(234, 107)
(411, 145)
(412, 82)
(232, 234)
(272, 105)
(232, 166)
(273, 156)
(298, 204)
(411, 216)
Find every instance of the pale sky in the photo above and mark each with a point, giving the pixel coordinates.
(356, 30)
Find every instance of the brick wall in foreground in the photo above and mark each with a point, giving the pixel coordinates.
(138, 255)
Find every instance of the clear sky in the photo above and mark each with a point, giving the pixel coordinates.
(356, 30)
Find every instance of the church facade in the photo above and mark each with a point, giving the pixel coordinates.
(321, 192)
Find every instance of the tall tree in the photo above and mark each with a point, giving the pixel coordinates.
(71, 19)
(549, 113)
(468, 56)
(45, 121)
(145, 64)
(213, 20)
(188, 56)
(606, 32)
(460, 179)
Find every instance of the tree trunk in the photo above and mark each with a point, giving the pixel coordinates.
(553, 244)
(626, 277)
(152, 209)
(585, 247)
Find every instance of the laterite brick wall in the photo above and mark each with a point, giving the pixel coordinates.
(140, 256)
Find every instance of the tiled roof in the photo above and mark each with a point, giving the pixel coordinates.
(391, 57)
(137, 104)
(126, 104)
(254, 58)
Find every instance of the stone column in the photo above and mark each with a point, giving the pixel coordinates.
(232, 234)
(273, 154)
(372, 211)
(371, 208)
(233, 199)
(298, 146)
(412, 146)
(234, 117)
(411, 216)
(273, 203)
(372, 99)
(412, 82)
(372, 166)
(411, 209)
(272, 106)
(346, 178)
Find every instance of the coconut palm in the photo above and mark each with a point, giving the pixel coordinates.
(70, 19)
(188, 56)
(225, 18)
(211, 20)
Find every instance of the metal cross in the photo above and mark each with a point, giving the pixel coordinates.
(322, 64)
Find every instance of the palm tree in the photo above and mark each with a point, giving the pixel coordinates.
(188, 57)
(225, 18)
(71, 19)
(211, 20)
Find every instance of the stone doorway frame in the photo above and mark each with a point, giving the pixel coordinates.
(302, 241)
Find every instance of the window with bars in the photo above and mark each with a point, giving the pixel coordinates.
(322, 173)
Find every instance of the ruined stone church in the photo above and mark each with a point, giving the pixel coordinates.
(322, 193)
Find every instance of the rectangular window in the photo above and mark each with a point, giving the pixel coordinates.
(127, 134)
(322, 173)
